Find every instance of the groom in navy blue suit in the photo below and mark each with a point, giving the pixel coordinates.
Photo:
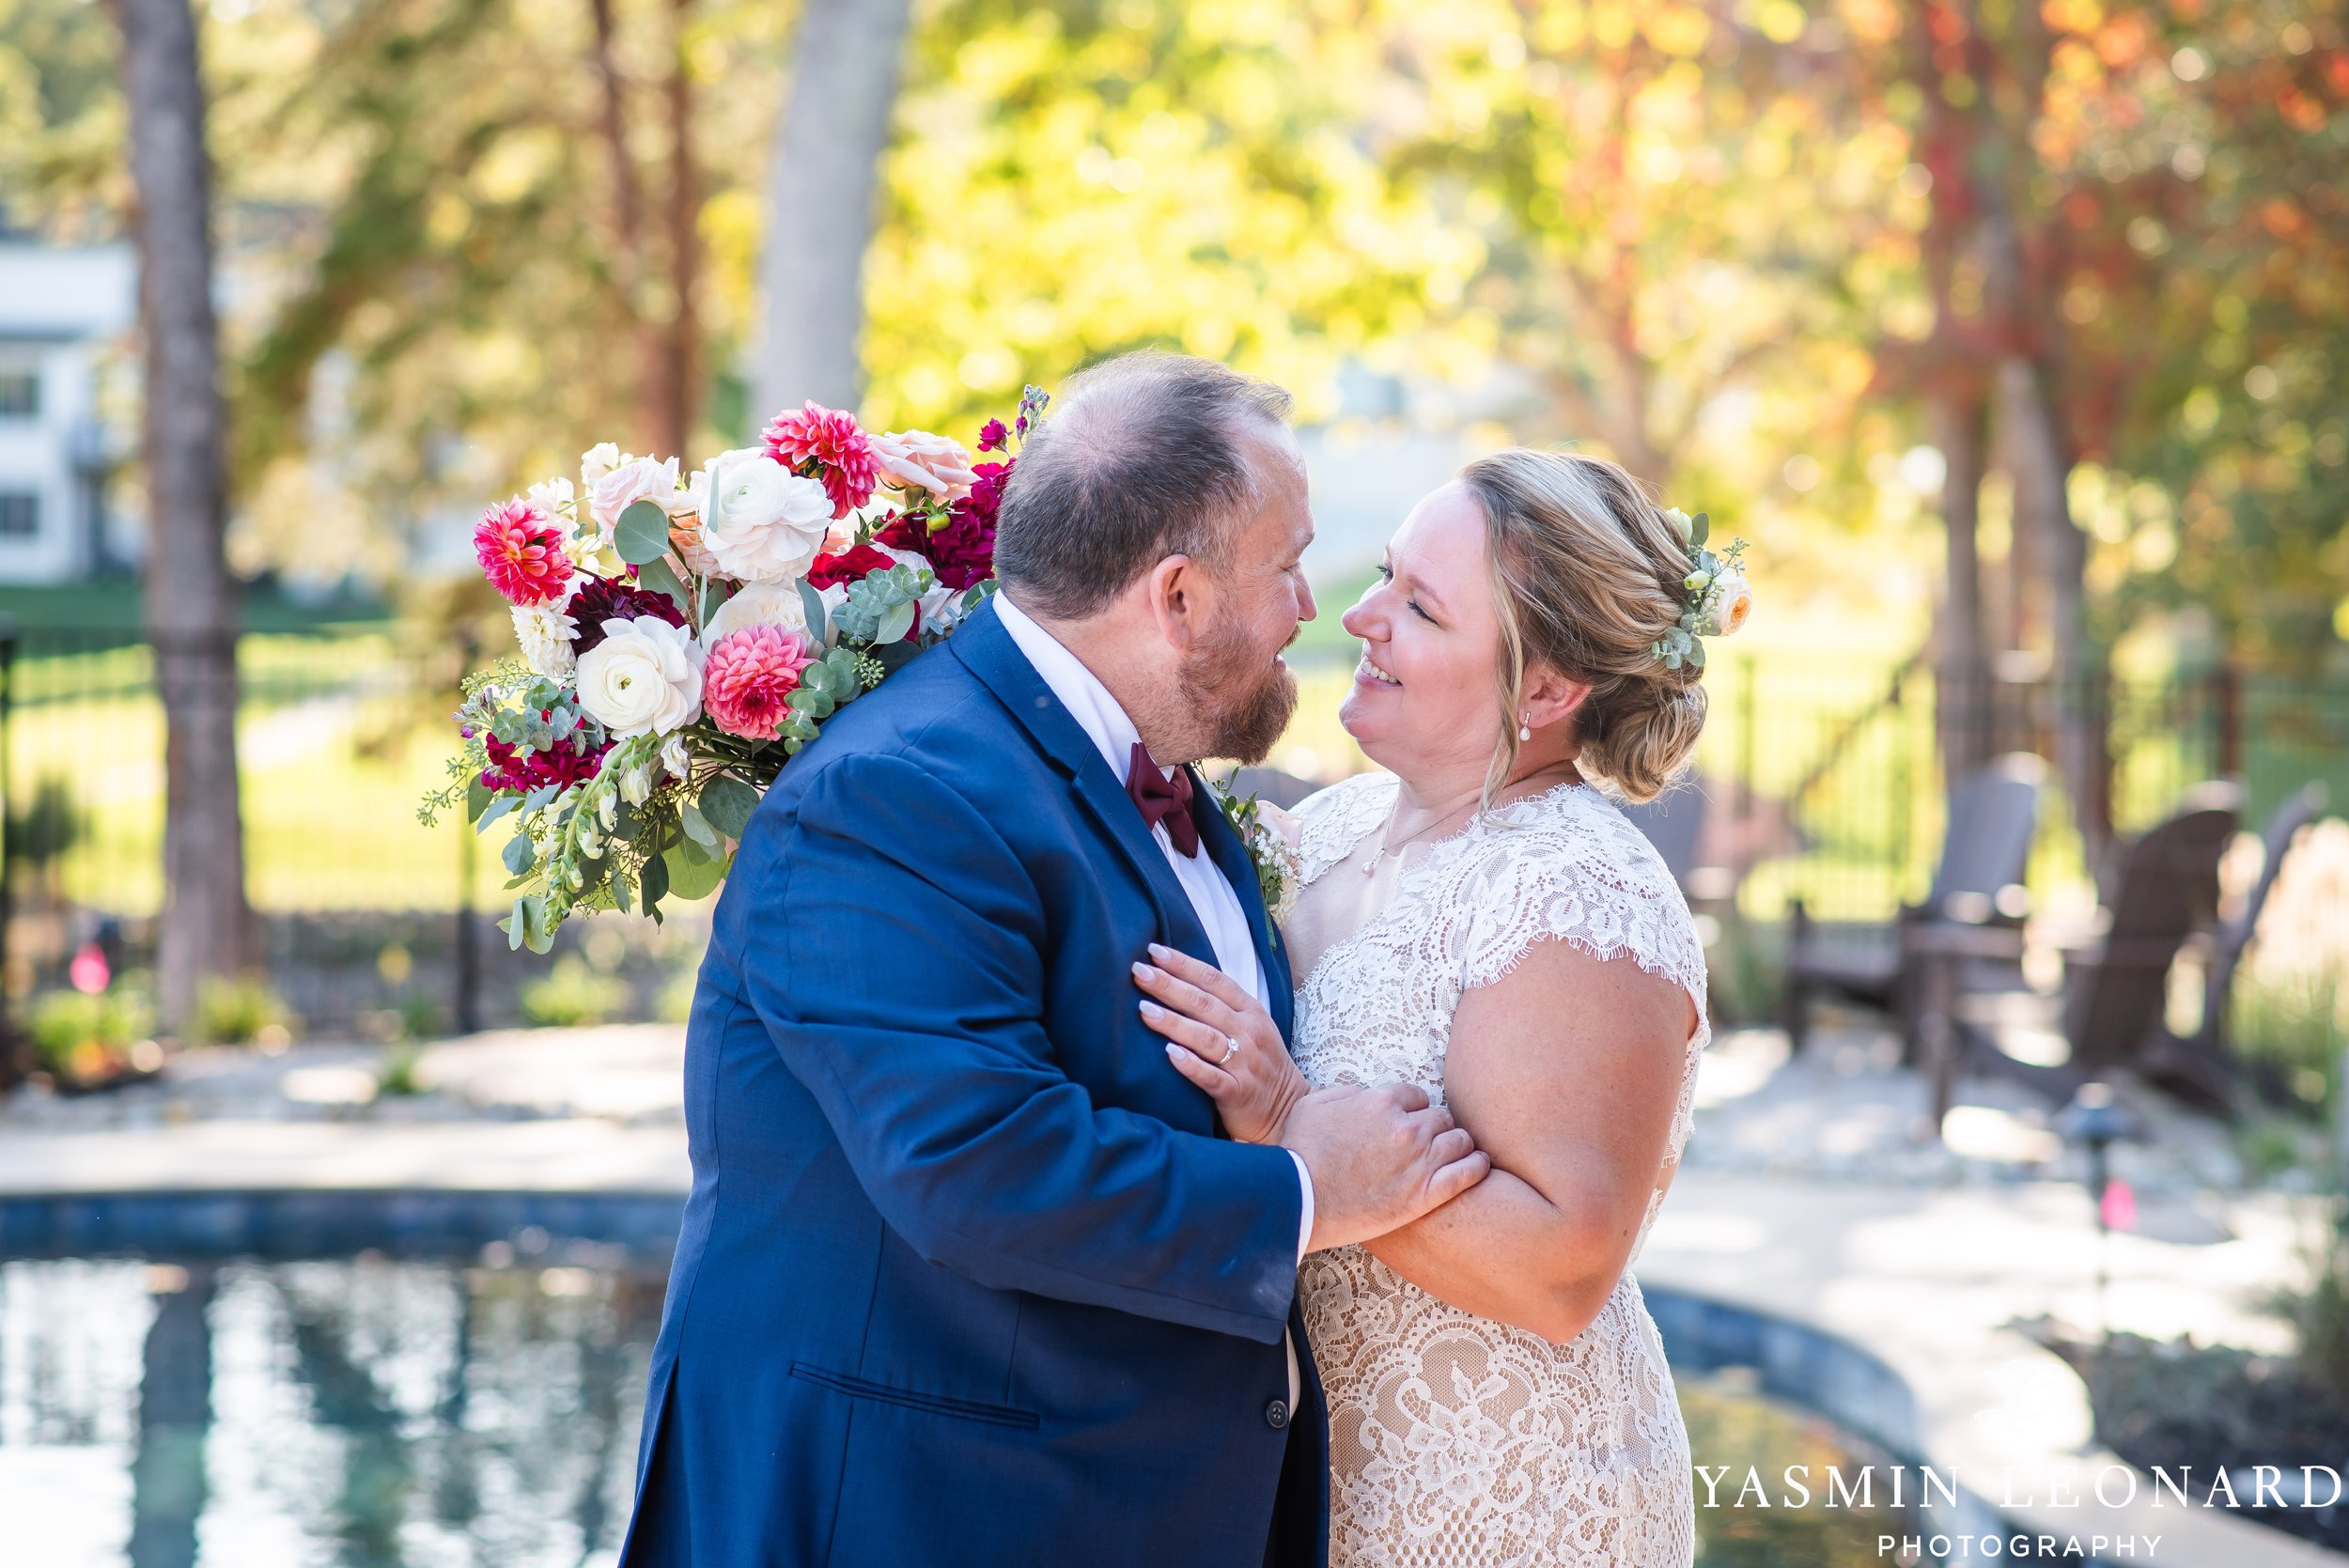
(968, 1275)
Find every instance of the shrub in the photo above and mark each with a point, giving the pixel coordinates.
(574, 992)
(73, 1034)
(237, 1011)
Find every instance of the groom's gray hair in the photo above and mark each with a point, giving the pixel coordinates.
(1146, 457)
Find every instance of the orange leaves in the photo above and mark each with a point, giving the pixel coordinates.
(1871, 21)
(2071, 16)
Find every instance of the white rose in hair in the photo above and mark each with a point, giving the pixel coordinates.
(761, 521)
(756, 604)
(1732, 602)
(638, 479)
(644, 678)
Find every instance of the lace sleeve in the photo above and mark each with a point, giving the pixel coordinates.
(1585, 877)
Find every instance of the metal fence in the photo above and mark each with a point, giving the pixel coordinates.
(1821, 780)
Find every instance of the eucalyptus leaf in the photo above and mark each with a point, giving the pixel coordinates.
(811, 602)
(698, 827)
(1700, 527)
(896, 624)
(477, 799)
(654, 574)
(692, 873)
(519, 854)
(643, 533)
(619, 894)
(726, 803)
(652, 884)
(817, 677)
(497, 808)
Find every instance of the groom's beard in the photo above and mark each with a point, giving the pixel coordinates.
(1246, 706)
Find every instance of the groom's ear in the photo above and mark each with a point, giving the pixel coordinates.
(1173, 590)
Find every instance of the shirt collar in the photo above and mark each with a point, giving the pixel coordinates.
(1079, 689)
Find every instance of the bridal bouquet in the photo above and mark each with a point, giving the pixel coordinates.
(683, 637)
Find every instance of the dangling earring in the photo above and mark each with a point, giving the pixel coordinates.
(1525, 726)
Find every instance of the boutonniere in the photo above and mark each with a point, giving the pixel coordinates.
(1278, 869)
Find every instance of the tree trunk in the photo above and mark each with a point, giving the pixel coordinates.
(628, 236)
(1957, 416)
(681, 338)
(820, 202)
(208, 928)
(2042, 460)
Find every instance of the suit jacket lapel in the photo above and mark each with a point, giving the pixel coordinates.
(987, 651)
(1222, 844)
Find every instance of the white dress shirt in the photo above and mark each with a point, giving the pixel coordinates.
(1218, 907)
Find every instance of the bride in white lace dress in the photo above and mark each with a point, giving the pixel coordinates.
(1483, 922)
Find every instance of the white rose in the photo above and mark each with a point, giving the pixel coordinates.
(599, 460)
(942, 607)
(553, 497)
(644, 678)
(641, 479)
(1733, 601)
(761, 522)
(757, 604)
(545, 635)
(918, 458)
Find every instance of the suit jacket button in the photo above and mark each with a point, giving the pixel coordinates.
(1276, 1415)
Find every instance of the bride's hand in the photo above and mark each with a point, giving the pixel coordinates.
(1202, 1012)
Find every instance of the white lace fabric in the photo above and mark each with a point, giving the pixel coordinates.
(1457, 1441)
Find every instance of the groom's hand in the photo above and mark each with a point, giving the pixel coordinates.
(1379, 1158)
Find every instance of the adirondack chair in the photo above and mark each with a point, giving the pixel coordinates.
(1270, 786)
(2200, 1067)
(1993, 816)
(2160, 890)
(1674, 822)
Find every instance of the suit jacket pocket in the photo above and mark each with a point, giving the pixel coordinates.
(936, 1404)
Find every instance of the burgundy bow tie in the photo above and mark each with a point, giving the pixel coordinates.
(1160, 799)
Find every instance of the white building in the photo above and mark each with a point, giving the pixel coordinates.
(61, 309)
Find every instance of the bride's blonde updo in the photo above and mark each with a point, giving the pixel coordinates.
(1587, 574)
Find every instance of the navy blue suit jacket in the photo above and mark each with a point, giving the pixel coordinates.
(967, 1275)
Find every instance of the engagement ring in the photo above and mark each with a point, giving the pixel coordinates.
(1231, 1048)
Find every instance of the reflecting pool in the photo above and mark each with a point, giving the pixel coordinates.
(472, 1409)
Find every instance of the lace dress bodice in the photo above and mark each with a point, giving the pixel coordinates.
(1458, 1441)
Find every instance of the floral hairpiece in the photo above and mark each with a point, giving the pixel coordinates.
(1715, 593)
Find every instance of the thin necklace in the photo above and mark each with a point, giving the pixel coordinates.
(1385, 849)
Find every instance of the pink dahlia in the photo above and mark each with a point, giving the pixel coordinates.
(520, 549)
(843, 453)
(750, 675)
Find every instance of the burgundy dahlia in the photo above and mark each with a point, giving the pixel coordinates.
(600, 599)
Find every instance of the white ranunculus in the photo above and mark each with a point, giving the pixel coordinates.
(599, 460)
(545, 633)
(761, 522)
(639, 479)
(757, 604)
(644, 678)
